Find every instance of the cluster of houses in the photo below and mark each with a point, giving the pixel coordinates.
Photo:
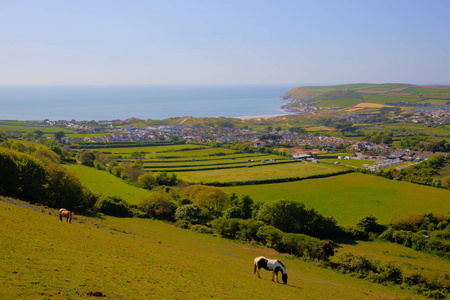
(129, 133)
(383, 164)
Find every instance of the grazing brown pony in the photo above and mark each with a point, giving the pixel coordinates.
(64, 213)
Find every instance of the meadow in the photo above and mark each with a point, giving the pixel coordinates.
(216, 163)
(25, 127)
(41, 257)
(261, 172)
(104, 183)
(351, 197)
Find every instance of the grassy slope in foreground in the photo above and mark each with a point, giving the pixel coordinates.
(353, 196)
(104, 183)
(136, 259)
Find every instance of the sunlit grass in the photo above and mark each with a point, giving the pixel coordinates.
(353, 196)
(41, 257)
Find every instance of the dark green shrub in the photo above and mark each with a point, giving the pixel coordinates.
(234, 212)
(202, 229)
(369, 224)
(187, 212)
(322, 250)
(299, 244)
(292, 217)
(387, 273)
(349, 262)
(158, 206)
(356, 233)
(248, 230)
(113, 206)
(226, 227)
(9, 174)
(387, 235)
(415, 279)
(183, 224)
(418, 242)
(64, 189)
(402, 237)
(269, 235)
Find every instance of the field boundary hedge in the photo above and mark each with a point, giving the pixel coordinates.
(220, 168)
(90, 145)
(276, 180)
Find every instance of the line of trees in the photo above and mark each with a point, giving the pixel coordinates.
(39, 179)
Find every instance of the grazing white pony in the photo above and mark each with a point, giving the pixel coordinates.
(273, 265)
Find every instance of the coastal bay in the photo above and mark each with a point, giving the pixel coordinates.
(140, 101)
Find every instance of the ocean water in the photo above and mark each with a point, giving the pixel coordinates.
(144, 102)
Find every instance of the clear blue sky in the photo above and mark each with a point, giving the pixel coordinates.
(224, 42)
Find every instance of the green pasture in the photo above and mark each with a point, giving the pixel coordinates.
(357, 163)
(298, 169)
(351, 197)
(209, 158)
(409, 260)
(435, 101)
(41, 257)
(192, 153)
(425, 90)
(25, 127)
(419, 128)
(201, 162)
(148, 149)
(166, 152)
(319, 128)
(341, 102)
(389, 98)
(104, 183)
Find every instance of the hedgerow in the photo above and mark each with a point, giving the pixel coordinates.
(276, 180)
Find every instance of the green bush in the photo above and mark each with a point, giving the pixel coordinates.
(158, 206)
(349, 262)
(113, 206)
(147, 180)
(234, 212)
(248, 230)
(202, 229)
(185, 224)
(387, 273)
(270, 236)
(292, 217)
(187, 212)
(227, 228)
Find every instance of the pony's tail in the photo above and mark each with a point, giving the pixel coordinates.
(60, 216)
(254, 267)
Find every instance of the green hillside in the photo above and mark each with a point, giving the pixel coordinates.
(348, 95)
(351, 197)
(41, 257)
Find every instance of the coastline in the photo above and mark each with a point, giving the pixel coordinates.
(143, 102)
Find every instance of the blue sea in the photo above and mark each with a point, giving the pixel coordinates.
(144, 102)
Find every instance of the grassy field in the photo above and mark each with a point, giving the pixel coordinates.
(298, 169)
(41, 257)
(409, 260)
(30, 127)
(203, 162)
(150, 149)
(350, 162)
(353, 196)
(101, 182)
